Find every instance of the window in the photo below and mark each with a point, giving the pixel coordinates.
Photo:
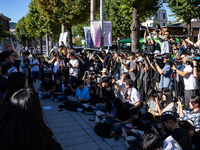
(155, 16)
(2, 21)
(163, 24)
(163, 15)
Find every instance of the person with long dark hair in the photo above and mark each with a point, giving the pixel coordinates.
(23, 127)
(16, 81)
(166, 103)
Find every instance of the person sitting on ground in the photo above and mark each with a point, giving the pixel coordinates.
(47, 85)
(121, 116)
(15, 131)
(193, 115)
(166, 104)
(120, 86)
(58, 94)
(16, 81)
(70, 84)
(37, 84)
(82, 92)
(93, 97)
(195, 136)
(182, 136)
(133, 95)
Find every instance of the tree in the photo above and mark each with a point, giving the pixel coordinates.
(22, 33)
(66, 12)
(139, 9)
(156, 23)
(169, 23)
(185, 9)
(2, 33)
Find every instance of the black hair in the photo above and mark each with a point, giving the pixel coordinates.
(4, 55)
(5, 66)
(104, 79)
(126, 75)
(80, 82)
(132, 54)
(129, 82)
(152, 142)
(168, 31)
(103, 51)
(195, 99)
(24, 126)
(16, 81)
(186, 125)
(169, 97)
(71, 54)
(121, 109)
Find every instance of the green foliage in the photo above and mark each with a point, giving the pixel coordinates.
(21, 32)
(169, 23)
(156, 23)
(147, 8)
(2, 33)
(184, 9)
(66, 12)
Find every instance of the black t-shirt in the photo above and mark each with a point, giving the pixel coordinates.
(195, 141)
(150, 48)
(108, 92)
(183, 138)
(26, 62)
(48, 86)
(104, 65)
(116, 67)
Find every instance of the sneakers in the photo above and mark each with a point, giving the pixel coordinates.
(113, 134)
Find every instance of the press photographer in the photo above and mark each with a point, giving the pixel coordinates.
(115, 66)
(103, 58)
(149, 45)
(165, 72)
(165, 42)
(133, 69)
(190, 83)
(125, 63)
(73, 65)
(197, 44)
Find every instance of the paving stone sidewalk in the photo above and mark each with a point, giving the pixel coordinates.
(74, 131)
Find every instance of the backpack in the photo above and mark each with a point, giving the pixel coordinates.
(103, 130)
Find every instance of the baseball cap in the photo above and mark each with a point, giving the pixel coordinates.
(157, 52)
(167, 115)
(137, 51)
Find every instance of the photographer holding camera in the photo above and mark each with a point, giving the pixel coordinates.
(149, 45)
(190, 83)
(103, 59)
(133, 69)
(165, 42)
(165, 72)
(73, 65)
(115, 66)
(197, 44)
(125, 63)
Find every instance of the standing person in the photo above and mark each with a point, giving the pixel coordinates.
(103, 59)
(190, 83)
(25, 63)
(34, 63)
(16, 129)
(57, 67)
(115, 65)
(74, 65)
(125, 63)
(85, 63)
(165, 72)
(165, 42)
(169, 121)
(133, 69)
(149, 45)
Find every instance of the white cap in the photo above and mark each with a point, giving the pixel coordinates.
(157, 52)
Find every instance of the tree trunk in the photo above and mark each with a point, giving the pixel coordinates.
(189, 28)
(135, 28)
(41, 44)
(51, 39)
(69, 35)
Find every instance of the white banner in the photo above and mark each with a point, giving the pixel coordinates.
(96, 33)
(63, 38)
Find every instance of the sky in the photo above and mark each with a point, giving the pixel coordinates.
(16, 9)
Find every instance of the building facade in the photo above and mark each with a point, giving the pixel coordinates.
(160, 17)
(5, 21)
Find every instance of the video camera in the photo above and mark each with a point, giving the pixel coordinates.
(62, 44)
(193, 58)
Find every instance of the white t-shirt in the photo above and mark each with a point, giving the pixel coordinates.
(190, 83)
(122, 92)
(134, 96)
(57, 65)
(35, 67)
(74, 71)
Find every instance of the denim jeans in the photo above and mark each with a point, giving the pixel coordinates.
(59, 97)
(116, 129)
(35, 73)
